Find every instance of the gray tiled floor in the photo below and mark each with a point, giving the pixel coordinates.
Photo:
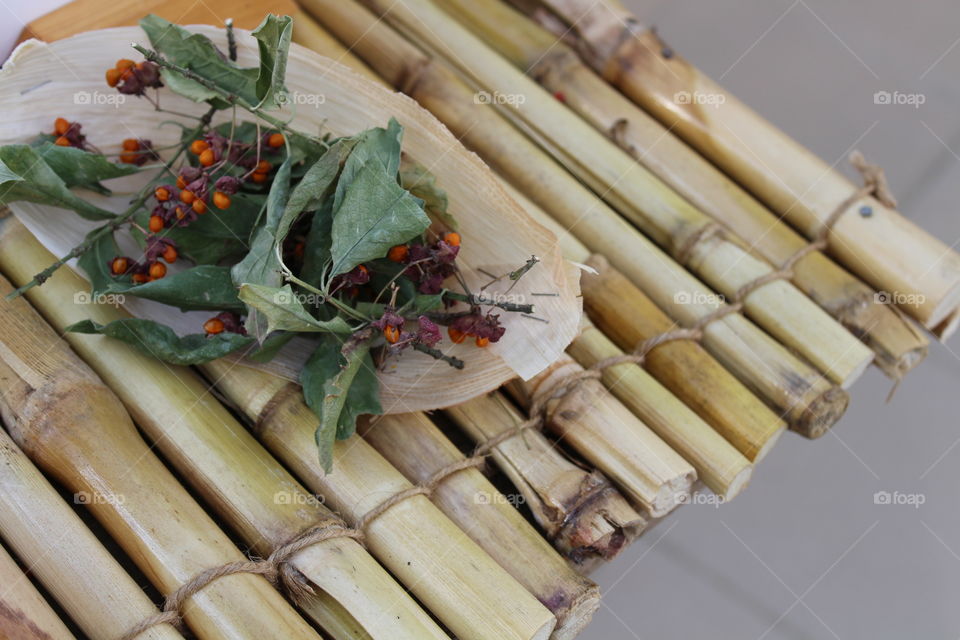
(805, 552)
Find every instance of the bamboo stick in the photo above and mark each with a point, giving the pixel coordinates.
(418, 449)
(445, 569)
(786, 383)
(580, 511)
(308, 33)
(778, 170)
(69, 423)
(898, 343)
(224, 463)
(66, 557)
(682, 429)
(672, 222)
(24, 614)
(592, 422)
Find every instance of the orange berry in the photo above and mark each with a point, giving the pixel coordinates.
(140, 278)
(119, 266)
(131, 144)
(180, 212)
(199, 207)
(129, 157)
(213, 326)
(263, 167)
(398, 253)
(207, 158)
(221, 200)
(391, 333)
(452, 238)
(113, 77)
(123, 64)
(62, 142)
(156, 224)
(181, 182)
(362, 268)
(275, 140)
(157, 270)
(162, 194)
(456, 335)
(198, 146)
(259, 178)
(187, 196)
(170, 254)
(61, 126)
(482, 342)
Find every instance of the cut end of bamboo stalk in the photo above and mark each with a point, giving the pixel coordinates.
(948, 327)
(822, 413)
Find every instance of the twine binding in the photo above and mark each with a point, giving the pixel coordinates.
(277, 568)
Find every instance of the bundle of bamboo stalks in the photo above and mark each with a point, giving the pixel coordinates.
(780, 172)
(710, 327)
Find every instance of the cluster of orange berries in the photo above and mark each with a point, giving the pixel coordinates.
(68, 134)
(133, 78)
(224, 321)
(136, 151)
(457, 337)
(152, 269)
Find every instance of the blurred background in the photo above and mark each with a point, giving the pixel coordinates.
(812, 549)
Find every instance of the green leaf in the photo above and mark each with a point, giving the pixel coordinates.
(282, 311)
(332, 381)
(273, 38)
(316, 250)
(376, 145)
(416, 179)
(160, 341)
(205, 287)
(79, 168)
(313, 187)
(96, 260)
(376, 213)
(197, 52)
(271, 346)
(24, 176)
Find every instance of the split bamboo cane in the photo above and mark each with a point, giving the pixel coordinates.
(798, 392)
(592, 421)
(66, 557)
(884, 248)
(672, 222)
(356, 599)
(587, 519)
(418, 449)
(24, 614)
(465, 588)
(69, 423)
(897, 342)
